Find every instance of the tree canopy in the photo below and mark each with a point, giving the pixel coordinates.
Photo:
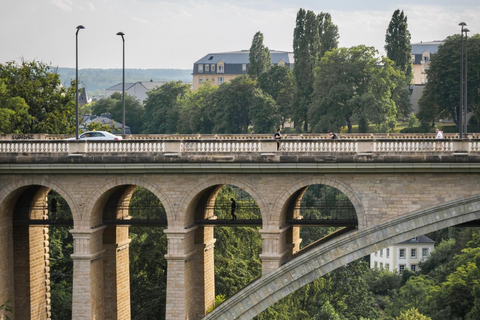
(353, 85)
(32, 99)
(398, 43)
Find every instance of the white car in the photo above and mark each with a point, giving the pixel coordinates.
(97, 135)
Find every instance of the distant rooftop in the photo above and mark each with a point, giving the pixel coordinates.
(242, 56)
(430, 46)
(419, 239)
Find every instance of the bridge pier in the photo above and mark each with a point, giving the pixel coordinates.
(88, 277)
(274, 248)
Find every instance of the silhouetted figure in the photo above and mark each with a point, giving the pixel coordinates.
(332, 135)
(233, 207)
(278, 134)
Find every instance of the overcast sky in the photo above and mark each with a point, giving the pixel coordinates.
(176, 33)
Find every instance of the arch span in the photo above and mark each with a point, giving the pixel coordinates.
(98, 194)
(283, 199)
(207, 184)
(302, 270)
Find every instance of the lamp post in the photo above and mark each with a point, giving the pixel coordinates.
(460, 109)
(123, 84)
(466, 84)
(76, 81)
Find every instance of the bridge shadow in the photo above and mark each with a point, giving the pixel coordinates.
(329, 255)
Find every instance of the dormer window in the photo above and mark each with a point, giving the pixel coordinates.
(200, 68)
(210, 58)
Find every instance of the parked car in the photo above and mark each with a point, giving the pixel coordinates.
(97, 135)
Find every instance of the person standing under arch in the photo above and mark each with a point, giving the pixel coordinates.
(233, 206)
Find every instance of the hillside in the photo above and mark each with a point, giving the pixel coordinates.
(97, 80)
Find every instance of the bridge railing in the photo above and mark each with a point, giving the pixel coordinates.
(169, 146)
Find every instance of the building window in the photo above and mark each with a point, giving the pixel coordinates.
(375, 264)
(244, 67)
(376, 253)
(381, 265)
(206, 79)
(401, 268)
(402, 253)
(387, 266)
(212, 67)
(200, 68)
(381, 253)
(213, 79)
(388, 252)
(220, 69)
(220, 80)
(413, 253)
(424, 252)
(200, 80)
(207, 67)
(413, 267)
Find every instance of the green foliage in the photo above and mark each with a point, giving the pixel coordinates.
(351, 85)
(412, 120)
(441, 96)
(218, 300)
(61, 263)
(32, 100)
(279, 83)
(412, 314)
(194, 111)
(398, 43)
(306, 47)
(259, 57)
(327, 32)
(162, 108)
(134, 110)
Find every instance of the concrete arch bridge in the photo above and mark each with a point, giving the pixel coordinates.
(400, 188)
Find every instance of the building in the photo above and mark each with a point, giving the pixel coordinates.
(218, 68)
(138, 89)
(104, 118)
(404, 255)
(421, 56)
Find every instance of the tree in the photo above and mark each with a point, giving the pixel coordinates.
(353, 85)
(113, 105)
(259, 57)
(161, 108)
(239, 106)
(33, 91)
(193, 110)
(441, 96)
(412, 314)
(398, 43)
(328, 33)
(306, 44)
(279, 83)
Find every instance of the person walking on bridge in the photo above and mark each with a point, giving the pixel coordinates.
(233, 207)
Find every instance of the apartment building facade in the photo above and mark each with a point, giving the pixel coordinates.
(404, 255)
(217, 68)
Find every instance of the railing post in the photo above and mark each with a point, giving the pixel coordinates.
(75, 147)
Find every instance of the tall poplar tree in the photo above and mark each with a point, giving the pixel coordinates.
(259, 57)
(306, 45)
(328, 33)
(398, 43)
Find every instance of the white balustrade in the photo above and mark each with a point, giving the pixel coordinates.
(221, 146)
(412, 146)
(126, 146)
(318, 146)
(34, 147)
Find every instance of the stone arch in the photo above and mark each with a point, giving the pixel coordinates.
(219, 180)
(305, 182)
(129, 180)
(9, 190)
(340, 251)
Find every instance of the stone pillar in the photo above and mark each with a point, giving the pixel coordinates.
(181, 288)
(274, 248)
(116, 272)
(204, 270)
(88, 282)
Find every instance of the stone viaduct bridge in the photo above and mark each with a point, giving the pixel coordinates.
(400, 187)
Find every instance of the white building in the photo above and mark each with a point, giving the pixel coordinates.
(138, 89)
(404, 255)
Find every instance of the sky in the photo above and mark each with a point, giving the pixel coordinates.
(173, 34)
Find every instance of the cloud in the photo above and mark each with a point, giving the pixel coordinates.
(65, 5)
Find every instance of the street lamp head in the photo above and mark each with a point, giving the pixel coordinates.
(466, 30)
(121, 34)
(462, 24)
(79, 27)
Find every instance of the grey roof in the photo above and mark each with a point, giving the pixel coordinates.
(242, 56)
(419, 239)
(147, 84)
(432, 47)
